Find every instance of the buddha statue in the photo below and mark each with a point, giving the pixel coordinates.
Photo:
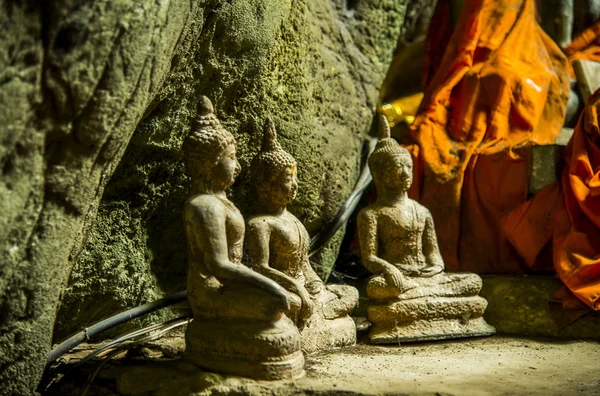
(411, 297)
(277, 246)
(239, 326)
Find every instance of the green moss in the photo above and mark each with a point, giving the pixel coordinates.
(521, 305)
(293, 61)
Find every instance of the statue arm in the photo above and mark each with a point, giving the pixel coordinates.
(212, 220)
(431, 250)
(313, 282)
(257, 248)
(367, 238)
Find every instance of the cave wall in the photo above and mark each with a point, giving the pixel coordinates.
(314, 66)
(97, 97)
(77, 78)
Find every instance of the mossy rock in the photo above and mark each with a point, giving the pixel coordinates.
(314, 66)
(98, 96)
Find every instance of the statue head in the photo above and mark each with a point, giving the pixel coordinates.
(390, 163)
(274, 170)
(210, 150)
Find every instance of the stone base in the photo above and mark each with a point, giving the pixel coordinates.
(327, 334)
(431, 308)
(428, 330)
(290, 367)
(258, 350)
(428, 318)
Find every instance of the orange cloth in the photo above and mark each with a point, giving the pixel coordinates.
(530, 226)
(576, 239)
(501, 85)
(572, 214)
(568, 214)
(586, 46)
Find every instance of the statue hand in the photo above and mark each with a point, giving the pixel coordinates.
(307, 303)
(394, 278)
(306, 311)
(285, 299)
(430, 271)
(281, 300)
(315, 287)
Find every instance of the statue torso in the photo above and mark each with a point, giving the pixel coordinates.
(288, 244)
(400, 235)
(198, 234)
(235, 228)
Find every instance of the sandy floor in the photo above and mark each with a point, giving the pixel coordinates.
(489, 366)
(486, 366)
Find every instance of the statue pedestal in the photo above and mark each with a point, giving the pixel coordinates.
(442, 307)
(328, 333)
(330, 325)
(259, 350)
(433, 319)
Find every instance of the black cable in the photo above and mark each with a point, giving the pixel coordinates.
(113, 321)
(319, 240)
(149, 333)
(160, 329)
(130, 335)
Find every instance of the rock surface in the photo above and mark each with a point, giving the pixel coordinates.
(521, 305)
(77, 77)
(97, 98)
(314, 66)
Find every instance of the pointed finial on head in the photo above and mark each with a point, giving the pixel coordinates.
(384, 128)
(270, 142)
(206, 141)
(205, 106)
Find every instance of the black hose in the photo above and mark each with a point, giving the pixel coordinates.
(113, 321)
(342, 216)
(162, 328)
(132, 334)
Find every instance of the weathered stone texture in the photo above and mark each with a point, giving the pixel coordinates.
(428, 308)
(77, 78)
(521, 305)
(295, 61)
(97, 96)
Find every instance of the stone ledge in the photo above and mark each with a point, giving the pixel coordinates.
(520, 305)
(546, 162)
(481, 366)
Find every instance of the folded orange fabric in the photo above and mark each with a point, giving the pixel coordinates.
(530, 226)
(501, 85)
(568, 215)
(576, 239)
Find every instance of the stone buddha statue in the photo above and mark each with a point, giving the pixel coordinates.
(239, 326)
(277, 246)
(411, 297)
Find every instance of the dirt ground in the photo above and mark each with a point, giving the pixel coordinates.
(487, 366)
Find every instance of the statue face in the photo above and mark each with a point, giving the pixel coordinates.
(398, 173)
(285, 186)
(227, 168)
